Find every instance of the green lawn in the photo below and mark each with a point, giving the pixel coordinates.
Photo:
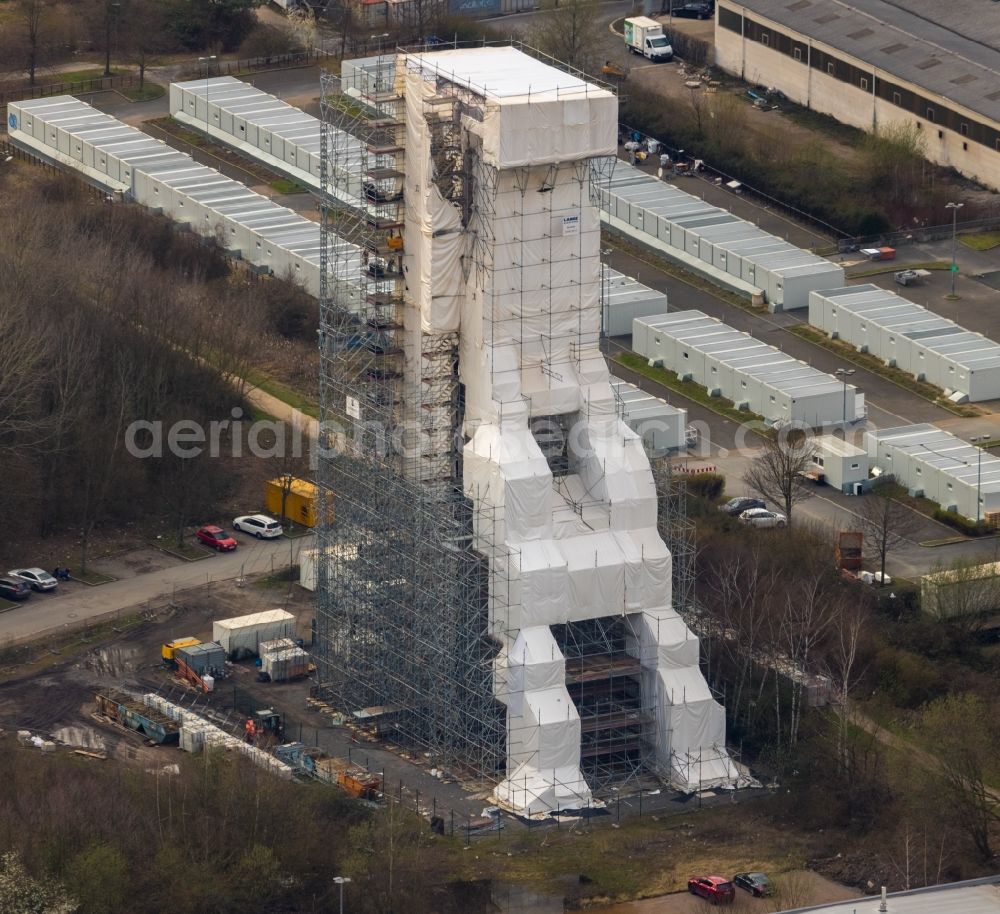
(146, 94)
(689, 389)
(981, 241)
(876, 366)
(283, 392)
(287, 186)
(82, 76)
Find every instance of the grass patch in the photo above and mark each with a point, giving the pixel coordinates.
(146, 94)
(283, 392)
(288, 575)
(287, 186)
(947, 541)
(689, 389)
(82, 76)
(981, 241)
(186, 551)
(92, 578)
(896, 268)
(653, 259)
(876, 366)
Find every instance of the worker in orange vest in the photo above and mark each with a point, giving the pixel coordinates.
(250, 731)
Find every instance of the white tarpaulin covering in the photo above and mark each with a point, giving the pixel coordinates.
(576, 540)
(532, 113)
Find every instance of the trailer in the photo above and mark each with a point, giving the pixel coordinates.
(355, 780)
(126, 711)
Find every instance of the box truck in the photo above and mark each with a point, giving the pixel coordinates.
(645, 36)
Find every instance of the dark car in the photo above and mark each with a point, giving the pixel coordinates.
(14, 588)
(693, 11)
(736, 506)
(717, 889)
(216, 538)
(757, 884)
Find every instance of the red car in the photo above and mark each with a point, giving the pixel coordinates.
(217, 538)
(717, 889)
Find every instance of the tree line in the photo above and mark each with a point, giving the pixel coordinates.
(111, 316)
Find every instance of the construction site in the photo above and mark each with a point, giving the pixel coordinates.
(497, 589)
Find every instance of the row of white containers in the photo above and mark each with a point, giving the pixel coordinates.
(937, 465)
(966, 365)
(755, 376)
(624, 299)
(197, 735)
(735, 252)
(662, 427)
(272, 131)
(120, 158)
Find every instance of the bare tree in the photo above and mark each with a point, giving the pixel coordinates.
(885, 522)
(777, 473)
(571, 31)
(963, 731)
(962, 593)
(143, 30)
(26, 46)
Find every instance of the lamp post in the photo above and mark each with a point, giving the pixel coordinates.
(341, 880)
(844, 374)
(208, 75)
(954, 207)
(975, 439)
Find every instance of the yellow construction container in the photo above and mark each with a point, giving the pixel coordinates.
(167, 651)
(302, 500)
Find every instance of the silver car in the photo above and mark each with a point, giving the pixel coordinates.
(38, 578)
(761, 517)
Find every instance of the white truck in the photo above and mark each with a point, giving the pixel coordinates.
(645, 36)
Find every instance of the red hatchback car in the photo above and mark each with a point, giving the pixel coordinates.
(717, 889)
(217, 538)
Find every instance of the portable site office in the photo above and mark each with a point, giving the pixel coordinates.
(624, 299)
(120, 158)
(755, 376)
(964, 364)
(730, 250)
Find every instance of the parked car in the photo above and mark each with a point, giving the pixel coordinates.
(717, 889)
(736, 506)
(14, 588)
(757, 884)
(38, 578)
(259, 525)
(761, 517)
(693, 11)
(216, 538)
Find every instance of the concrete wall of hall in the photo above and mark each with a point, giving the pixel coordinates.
(761, 65)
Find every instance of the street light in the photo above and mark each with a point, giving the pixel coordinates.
(844, 374)
(208, 75)
(340, 880)
(954, 207)
(975, 439)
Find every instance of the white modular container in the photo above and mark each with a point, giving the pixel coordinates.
(843, 464)
(623, 299)
(121, 158)
(729, 250)
(755, 376)
(937, 465)
(661, 427)
(242, 635)
(904, 335)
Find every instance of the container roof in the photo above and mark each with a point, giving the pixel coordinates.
(744, 353)
(934, 447)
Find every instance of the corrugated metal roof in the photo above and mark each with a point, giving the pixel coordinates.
(952, 456)
(744, 353)
(945, 48)
(890, 311)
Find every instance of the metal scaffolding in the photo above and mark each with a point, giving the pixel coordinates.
(403, 617)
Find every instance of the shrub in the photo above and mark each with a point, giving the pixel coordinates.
(706, 485)
(961, 523)
(907, 679)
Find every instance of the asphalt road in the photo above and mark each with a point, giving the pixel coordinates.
(52, 614)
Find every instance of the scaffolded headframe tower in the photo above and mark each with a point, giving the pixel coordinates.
(494, 588)
(403, 634)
